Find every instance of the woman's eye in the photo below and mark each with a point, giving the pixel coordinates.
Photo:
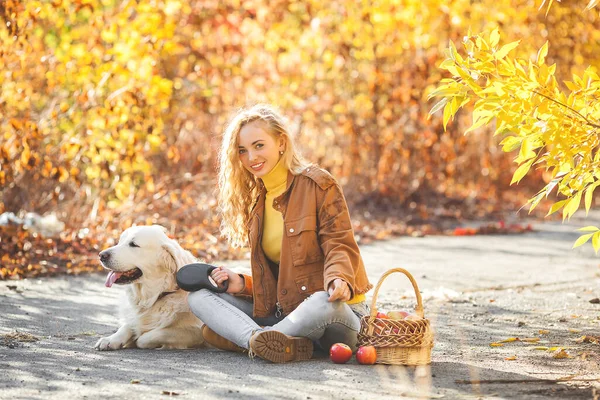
(132, 244)
(241, 151)
(258, 146)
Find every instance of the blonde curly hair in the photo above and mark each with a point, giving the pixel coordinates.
(238, 188)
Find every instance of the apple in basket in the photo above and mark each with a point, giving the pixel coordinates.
(398, 314)
(366, 355)
(380, 325)
(413, 317)
(340, 353)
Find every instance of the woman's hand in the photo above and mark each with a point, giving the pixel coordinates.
(222, 274)
(339, 290)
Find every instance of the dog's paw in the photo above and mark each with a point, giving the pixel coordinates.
(108, 343)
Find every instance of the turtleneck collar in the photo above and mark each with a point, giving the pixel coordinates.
(276, 177)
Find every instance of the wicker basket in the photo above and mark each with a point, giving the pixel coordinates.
(404, 342)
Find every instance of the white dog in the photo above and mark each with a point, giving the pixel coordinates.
(155, 312)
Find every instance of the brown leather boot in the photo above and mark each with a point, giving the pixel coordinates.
(214, 339)
(279, 348)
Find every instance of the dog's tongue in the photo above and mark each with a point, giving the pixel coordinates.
(111, 278)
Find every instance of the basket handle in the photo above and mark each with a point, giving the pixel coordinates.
(418, 309)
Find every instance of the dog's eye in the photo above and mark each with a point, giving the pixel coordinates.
(132, 244)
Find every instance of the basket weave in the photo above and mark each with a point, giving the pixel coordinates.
(403, 342)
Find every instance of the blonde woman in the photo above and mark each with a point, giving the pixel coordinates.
(308, 279)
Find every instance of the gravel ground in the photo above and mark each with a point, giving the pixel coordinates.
(476, 290)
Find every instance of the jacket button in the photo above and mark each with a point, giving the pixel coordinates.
(291, 230)
(307, 169)
(284, 291)
(303, 288)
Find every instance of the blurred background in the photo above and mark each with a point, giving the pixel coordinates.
(111, 113)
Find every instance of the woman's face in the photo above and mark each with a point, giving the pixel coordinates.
(258, 150)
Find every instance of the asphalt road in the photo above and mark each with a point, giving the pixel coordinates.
(477, 290)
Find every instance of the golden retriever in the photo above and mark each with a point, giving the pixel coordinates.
(154, 312)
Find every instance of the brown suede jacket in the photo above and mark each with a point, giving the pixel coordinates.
(318, 245)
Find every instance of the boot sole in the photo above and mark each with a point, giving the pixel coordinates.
(279, 348)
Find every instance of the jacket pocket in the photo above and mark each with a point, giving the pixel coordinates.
(309, 284)
(303, 243)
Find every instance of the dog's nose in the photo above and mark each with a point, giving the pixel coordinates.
(104, 256)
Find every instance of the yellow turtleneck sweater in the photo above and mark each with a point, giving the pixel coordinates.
(275, 182)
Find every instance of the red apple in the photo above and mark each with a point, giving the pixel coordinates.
(381, 315)
(366, 355)
(340, 353)
(398, 314)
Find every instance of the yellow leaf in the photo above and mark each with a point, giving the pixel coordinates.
(511, 143)
(511, 358)
(543, 331)
(505, 50)
(522, 171)
(572, 206)
(530, 340)
(496, 345)
(526, 151)
(573, 330)
(542, 53)
(556, 206)
(596, 241)
(544, 348)
(509, 340)
(447, 114)
(582, 240)
(589, 192)
(589, 228)
(438, 106)
(494, 38)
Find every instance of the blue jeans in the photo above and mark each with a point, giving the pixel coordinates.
(315, 318)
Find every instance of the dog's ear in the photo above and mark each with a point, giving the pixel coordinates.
(174, 255)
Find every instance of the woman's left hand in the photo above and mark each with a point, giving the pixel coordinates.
(339, 290)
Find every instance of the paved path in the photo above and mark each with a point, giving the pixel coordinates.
(477, 290)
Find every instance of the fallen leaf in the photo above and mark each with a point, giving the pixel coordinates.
(561, 354)
(543, 332)
(135, 381)
(509, 340)
(573, 330)
(496, 345)
(169, 393)
(588, 339)
(541, 348)
(530, 340)
(511, 358)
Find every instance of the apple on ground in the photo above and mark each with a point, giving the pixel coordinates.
(366, 355)
(340, 353)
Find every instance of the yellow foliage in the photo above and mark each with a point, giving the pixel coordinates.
(555, 130)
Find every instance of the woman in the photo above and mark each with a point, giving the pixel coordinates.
(308, 280)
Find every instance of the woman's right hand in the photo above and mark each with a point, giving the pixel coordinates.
(222, 274)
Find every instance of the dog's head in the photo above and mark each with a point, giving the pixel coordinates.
(144, 253)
